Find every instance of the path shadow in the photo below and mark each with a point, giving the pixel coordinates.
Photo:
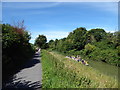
(23, 85)
(32, 62)
(36, 55)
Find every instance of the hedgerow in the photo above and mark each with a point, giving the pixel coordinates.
(16, 48)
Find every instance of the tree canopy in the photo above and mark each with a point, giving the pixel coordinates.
(41, 41)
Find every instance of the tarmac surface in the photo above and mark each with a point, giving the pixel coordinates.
(30, 76)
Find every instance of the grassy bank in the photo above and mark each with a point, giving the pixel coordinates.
(105, 68)
(59, 72)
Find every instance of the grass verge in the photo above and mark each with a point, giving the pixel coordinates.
(60, 72)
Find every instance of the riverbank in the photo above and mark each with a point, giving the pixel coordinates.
(60, 72)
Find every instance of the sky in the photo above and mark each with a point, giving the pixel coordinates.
(56, 19)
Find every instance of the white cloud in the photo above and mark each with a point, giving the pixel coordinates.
(33, 5)
(33, 8)
(50, 35)
(110, 31)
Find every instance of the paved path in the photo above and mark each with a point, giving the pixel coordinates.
(30, 76)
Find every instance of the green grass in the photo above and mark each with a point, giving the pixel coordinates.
(105, 68)
(59, 72)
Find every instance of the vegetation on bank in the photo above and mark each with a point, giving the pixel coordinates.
(16, 48)
(95, 44)
(60, 72)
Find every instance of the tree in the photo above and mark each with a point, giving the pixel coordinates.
(50, 44)
(41, 41)
(96, 34)
(116, 38)
(77, 38)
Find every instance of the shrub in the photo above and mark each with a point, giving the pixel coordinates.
(118, 50)
(109, 56)
(16, 48)
(89, 48)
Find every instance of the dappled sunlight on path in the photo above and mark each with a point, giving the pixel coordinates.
(29, 77)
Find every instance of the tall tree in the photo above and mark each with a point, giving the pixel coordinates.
(97, 34)
(77, 38)
(41, 41)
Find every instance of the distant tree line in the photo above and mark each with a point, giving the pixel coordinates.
(95, 44)
(16, 48)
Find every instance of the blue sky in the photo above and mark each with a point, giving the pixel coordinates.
(57, 19)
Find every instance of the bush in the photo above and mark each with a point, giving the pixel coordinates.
(89, 48)
(16, 48)
(118, 50)
(109, 56)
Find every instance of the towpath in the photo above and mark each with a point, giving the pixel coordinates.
(30, 76)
